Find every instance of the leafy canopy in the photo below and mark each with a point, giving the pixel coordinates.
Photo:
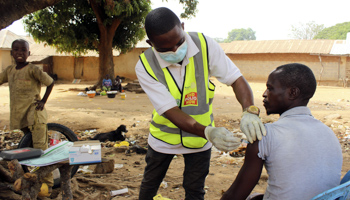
(337, 32)
(71, 25)
(306, 31)
(240, 34)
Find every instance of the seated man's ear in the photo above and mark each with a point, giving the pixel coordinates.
(294, 93)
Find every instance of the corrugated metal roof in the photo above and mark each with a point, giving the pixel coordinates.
(278, 46)
(7, 37)
(32, 58)
(40, 49)
(341, 47)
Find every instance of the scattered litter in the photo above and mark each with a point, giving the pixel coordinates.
(159, 197)
(117, 192)
(85, 170)
(76, 81)
(82, 94)
(164, 184)
(226, 158)
(121, 144)
(118, 166)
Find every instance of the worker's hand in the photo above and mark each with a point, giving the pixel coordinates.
(221, 138)
(252, 126)
(39, 105)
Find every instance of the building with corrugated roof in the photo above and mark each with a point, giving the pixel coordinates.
(66, 66)
(329, 59)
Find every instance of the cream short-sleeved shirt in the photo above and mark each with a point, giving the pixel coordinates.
(25, 86)
(220, 66)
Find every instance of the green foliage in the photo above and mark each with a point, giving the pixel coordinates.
(337, 32)
(219, 40)
(190, 7)
(240, 34)
(71, 25)
(306, 31)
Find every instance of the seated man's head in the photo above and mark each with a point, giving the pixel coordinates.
(288, 86)
(166, 34)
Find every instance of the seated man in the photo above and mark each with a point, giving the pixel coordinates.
(302, 156)
(117, 84)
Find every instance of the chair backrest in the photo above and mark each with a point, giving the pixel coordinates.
(345, 178)
(341, 192)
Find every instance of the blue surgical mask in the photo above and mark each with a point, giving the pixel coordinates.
(175, 57)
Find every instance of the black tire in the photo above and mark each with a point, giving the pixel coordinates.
(69, 135)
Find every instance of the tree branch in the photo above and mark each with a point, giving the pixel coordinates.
(13, 10)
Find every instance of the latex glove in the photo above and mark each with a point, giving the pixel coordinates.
(252, 127)
(222, 138)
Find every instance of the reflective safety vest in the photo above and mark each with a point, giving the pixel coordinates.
(194, 97)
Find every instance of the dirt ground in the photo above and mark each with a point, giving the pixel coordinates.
(101, 114)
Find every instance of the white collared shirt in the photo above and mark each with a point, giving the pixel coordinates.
(220, 66)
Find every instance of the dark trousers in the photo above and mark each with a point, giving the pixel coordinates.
(196, 170)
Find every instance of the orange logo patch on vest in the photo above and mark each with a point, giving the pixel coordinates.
(191, 99)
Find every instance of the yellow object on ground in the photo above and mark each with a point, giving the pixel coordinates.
(45, 191)
(123, 143)
(159, 197)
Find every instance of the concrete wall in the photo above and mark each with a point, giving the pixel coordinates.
(335, 69)
(63, 66)
(90, 70)
(124, 64)
(5, 59)
(258, 66)
(87, 68)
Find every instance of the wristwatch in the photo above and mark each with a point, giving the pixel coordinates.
(253, 109)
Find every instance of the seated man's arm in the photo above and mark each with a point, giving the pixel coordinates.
(248, 176)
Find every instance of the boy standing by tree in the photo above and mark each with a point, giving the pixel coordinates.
(26, 107)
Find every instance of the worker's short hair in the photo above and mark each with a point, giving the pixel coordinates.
(160, 21)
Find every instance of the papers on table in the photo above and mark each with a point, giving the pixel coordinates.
(52, 155)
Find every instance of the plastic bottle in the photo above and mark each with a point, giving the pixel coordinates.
(123, 95)
(55, 139)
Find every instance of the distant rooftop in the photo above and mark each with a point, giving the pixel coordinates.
(278, 46)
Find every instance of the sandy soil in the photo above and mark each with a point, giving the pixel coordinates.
(81, 114)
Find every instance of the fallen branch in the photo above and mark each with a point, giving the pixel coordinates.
(6, 175)
(15, 169)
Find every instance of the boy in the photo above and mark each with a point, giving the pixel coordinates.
(27, 110)
(302, 155)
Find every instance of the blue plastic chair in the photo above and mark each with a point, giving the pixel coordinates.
(341, 192)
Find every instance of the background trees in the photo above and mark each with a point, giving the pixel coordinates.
(306, 31)
(103, 25)
(336, 32)
(238, 34)
(241, 34)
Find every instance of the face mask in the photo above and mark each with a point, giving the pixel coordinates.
(175, 57)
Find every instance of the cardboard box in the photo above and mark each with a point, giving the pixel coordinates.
(85, 152)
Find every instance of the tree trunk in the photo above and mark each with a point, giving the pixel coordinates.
(105, 48)
(106, 64)
(13, 10)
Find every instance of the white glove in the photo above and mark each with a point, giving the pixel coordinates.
(221, 138)
(252, 126)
